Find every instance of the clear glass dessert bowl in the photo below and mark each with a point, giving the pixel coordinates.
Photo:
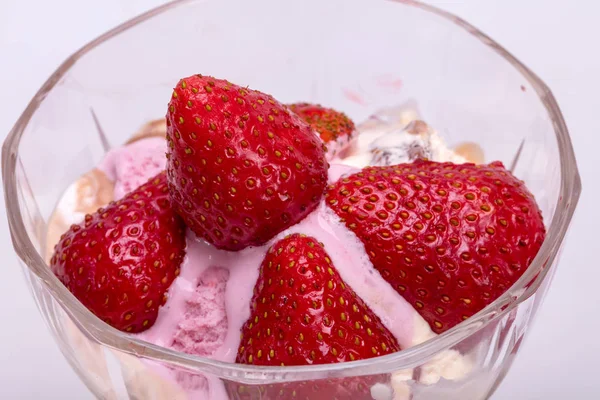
(359, 58)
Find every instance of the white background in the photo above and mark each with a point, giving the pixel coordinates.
(555, 38)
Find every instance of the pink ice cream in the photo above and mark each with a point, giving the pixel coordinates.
(210, 300)
(204, 325)
(132, 165)
(199, 323)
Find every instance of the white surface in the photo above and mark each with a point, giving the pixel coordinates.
(557, 39)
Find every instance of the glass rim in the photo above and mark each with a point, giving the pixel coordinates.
(98, 331)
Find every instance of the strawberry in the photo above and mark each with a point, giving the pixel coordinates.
(352, 388)
(303, 313)
(241, 167)
(331, 124)
(122, 259)
(449, 238)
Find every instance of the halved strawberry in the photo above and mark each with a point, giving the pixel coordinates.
(449, 238)
(303, 313)
(331, 124)
(122, 259)
(241, 167)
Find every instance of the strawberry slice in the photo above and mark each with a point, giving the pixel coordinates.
(122, 259)
(449, 238)
(303, 313)
(331, 124)
(241, 167)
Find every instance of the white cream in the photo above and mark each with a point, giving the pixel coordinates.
(383, 142)
(404, 147)
(69, 203)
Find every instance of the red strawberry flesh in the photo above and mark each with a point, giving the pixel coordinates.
(241, 167)
(122, 259)
(330, 124)
(449, 238)
(303, 313)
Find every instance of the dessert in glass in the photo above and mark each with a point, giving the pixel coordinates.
(298, 207)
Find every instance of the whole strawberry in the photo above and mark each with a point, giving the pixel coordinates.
(122, 259)
(449, 238)
(303, 313)
(333, 126)
(241, 167)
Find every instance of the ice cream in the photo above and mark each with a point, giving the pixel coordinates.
(203, 327)
(132, 165)
(208, 303)
(391, 143)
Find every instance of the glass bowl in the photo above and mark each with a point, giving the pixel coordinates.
(354, 56)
